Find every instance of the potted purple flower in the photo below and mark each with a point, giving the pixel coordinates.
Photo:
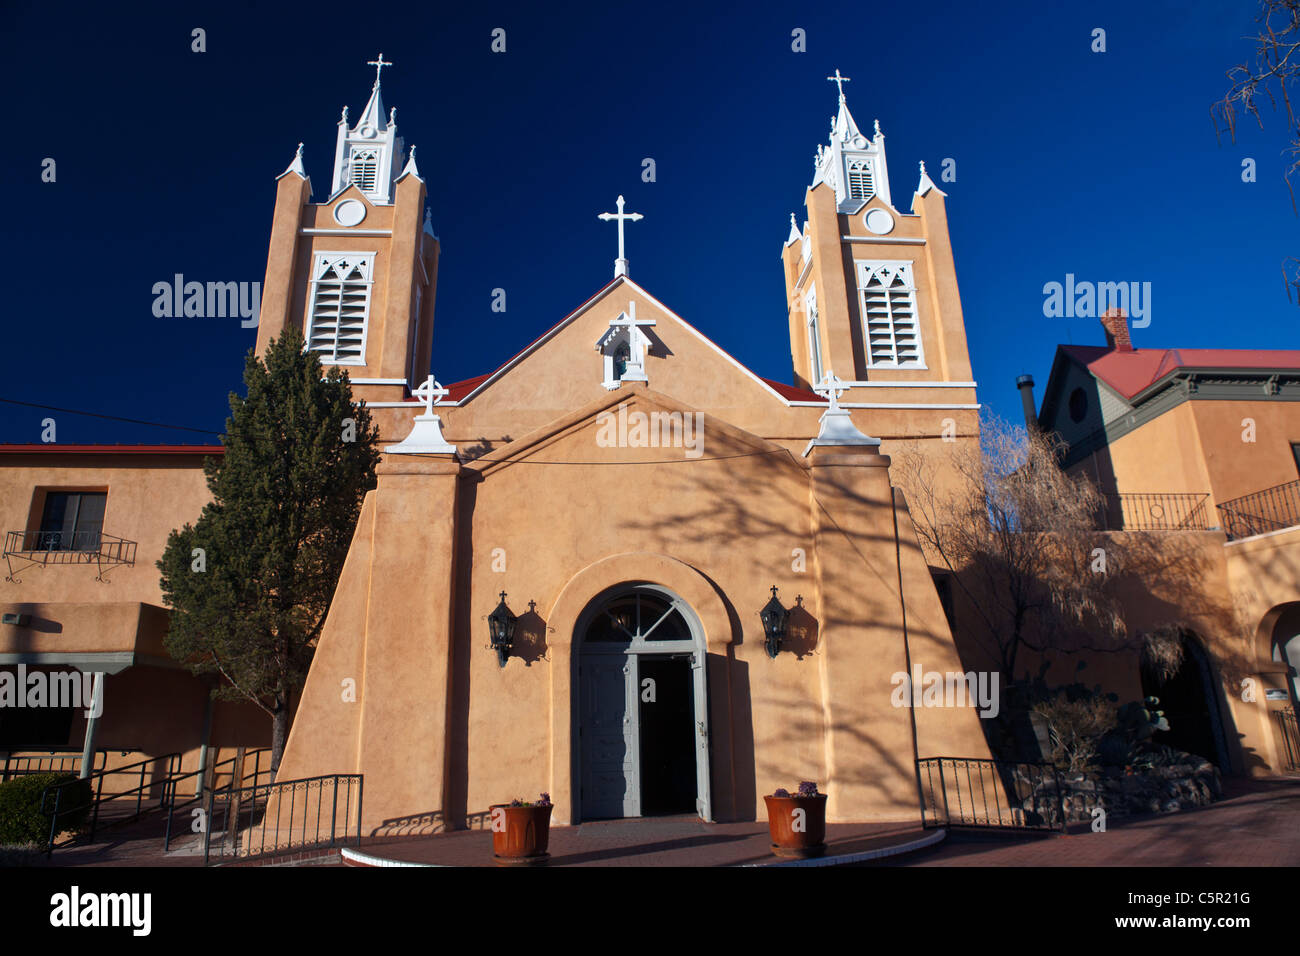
(797, 822)
(521, 831)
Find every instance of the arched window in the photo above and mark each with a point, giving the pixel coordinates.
(640, 615)
(887, 296)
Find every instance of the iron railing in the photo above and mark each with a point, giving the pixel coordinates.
(997, 794)
(56, 547)
(1289, 734)
(244, 823)
(60, 803)
(239, 776)
(1269, 510)
(1155, 512)
(20, 761)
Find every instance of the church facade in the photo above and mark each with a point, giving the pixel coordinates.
(632, 497)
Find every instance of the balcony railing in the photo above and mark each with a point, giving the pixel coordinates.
(56, 547)
(1155, 512)
(1269, 510)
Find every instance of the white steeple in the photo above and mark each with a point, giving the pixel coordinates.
(852, 164)
(368, 154)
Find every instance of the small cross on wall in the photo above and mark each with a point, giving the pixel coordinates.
(431, 393)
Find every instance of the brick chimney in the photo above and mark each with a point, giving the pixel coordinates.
(1115, 322)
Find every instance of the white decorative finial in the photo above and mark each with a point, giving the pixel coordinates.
(378, 64)
(620, 264)
(839, 81)
(923, 167)
(877, 127)
(344, 118)
(837, 426)
(392, 116)
(426, 436)
(296, 165)
(410, 168)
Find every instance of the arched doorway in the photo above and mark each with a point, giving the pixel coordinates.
(640, 706)
(1190, 704)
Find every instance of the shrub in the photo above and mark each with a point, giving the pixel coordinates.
(1075, 729)
(21, 819)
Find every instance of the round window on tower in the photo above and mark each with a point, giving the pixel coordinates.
(1078, 405)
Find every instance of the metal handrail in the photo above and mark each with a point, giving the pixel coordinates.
(68, 758)
(201, 795)
(1156, 511)
(980, 792)
(172, 760)
(1261, 512)
(1289, 729)
(251, 809)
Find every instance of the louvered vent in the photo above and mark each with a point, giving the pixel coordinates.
(861, 183)
(888, 299)
(364, 169)
(340, 306)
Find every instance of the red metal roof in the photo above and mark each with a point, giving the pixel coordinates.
(794, 393)
(1132, 372)
(57, 449)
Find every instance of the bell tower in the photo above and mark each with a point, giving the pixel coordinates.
(872, 292)
(357, 273)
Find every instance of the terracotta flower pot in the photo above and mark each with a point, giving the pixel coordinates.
(524, 837)
(807, 842)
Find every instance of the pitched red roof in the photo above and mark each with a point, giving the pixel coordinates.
(1132, 372)
(794, 393)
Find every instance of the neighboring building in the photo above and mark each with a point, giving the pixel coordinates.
(1201, 447)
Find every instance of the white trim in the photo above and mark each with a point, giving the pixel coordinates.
(974, 406)
(360, 858)
(845, 859)
(378, 381)
(403, 404)
(313, 231)
(895, 240)
(908, 384)
(1289, 529)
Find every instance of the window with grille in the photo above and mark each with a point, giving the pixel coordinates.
(861, 183)
(340, 306)
(814, 339)
(72, 521)
(363, 169)
(887, 297)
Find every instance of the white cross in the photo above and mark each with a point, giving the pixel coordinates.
(835, 386)
(629, 320)
(620, 264)
(838, 80)
(380, 64)
(431, 393)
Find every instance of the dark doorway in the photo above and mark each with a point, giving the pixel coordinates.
(667, 711)
(44, 726)
(1191, 706)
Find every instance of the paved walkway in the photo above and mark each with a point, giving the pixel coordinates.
(1256, 824)
(653, 841)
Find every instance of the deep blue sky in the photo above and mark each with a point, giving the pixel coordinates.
(1104, 165)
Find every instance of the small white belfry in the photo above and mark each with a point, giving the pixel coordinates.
(620, 264)
(837, 426)
(426, 436)
(624, 346)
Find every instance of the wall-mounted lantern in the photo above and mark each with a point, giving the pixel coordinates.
(501, 627)
(775, 619)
